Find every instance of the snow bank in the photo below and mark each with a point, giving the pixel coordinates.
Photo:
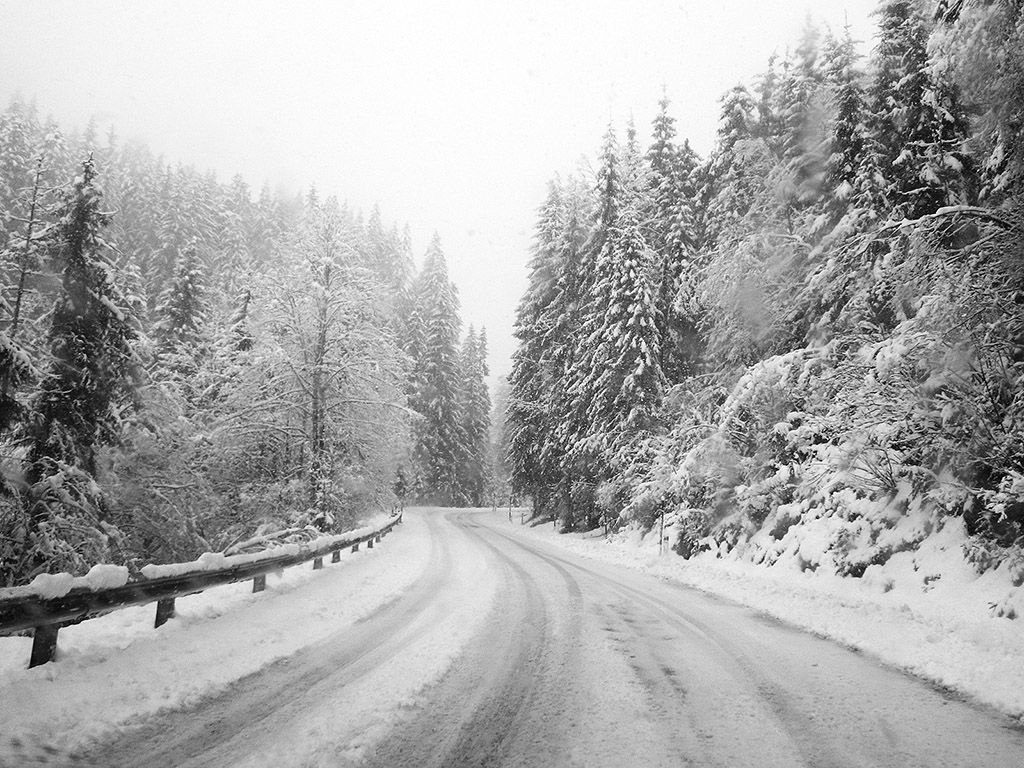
(47, 586)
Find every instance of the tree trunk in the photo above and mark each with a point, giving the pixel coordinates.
(26, 253)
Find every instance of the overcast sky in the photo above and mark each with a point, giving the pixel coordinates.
(451, 114)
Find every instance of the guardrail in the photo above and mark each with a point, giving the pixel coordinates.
(22, 609)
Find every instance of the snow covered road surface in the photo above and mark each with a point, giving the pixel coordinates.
(503, 649)
(588, 664)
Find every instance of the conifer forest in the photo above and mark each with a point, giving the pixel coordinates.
(818, 327)
(184, 364)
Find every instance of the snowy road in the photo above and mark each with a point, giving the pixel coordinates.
(507, 651)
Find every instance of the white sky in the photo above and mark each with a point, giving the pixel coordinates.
(451, 114)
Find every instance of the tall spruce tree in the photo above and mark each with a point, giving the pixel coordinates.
(93, 373)
(849, 179)
(625, 394)
(671, 231)
(179, 328)
(981, 50)
(476, 417)
(439, 448)
(562, 345)
(735, 169)
(542, 328)
(585, 463)
(616, 384)
(802, 119)
(85, 390)
(917, 124)
(182, 308)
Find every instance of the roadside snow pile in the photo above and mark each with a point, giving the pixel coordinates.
(215, 561)
(926, 611)
(47, 586)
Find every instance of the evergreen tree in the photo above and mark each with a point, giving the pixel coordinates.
(85, 390)
(634, 172)
(234, 216)
(179, 329)
(849, 180)
(916, 124)
(615, 383)
(181, 309)
(238, 325)
(476, 417)
(93, 373)
(981, 50)
(672, 234)
(585, 463)
(18, 158)
(561, 321)
(439, 448)
(531, 415)
(802, 117)
(768, 88)
(135, 190)
(736, 168)
(378, 256)
(625, 393)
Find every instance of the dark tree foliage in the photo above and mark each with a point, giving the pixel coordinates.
(917, 124)
(85, 390)
(93, 373)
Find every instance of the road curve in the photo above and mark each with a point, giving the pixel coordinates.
(508, 651)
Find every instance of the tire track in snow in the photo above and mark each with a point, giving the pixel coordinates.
(480, 712)
(792, 699)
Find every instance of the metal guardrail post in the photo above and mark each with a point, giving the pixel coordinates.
(44, 644)
(164, 611)
(259, 583)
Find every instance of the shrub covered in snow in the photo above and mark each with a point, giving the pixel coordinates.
(844, 455)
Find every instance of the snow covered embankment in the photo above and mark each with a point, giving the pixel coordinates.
(925, 611)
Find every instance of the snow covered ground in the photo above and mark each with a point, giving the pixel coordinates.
(927, 613)
(118, 668)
